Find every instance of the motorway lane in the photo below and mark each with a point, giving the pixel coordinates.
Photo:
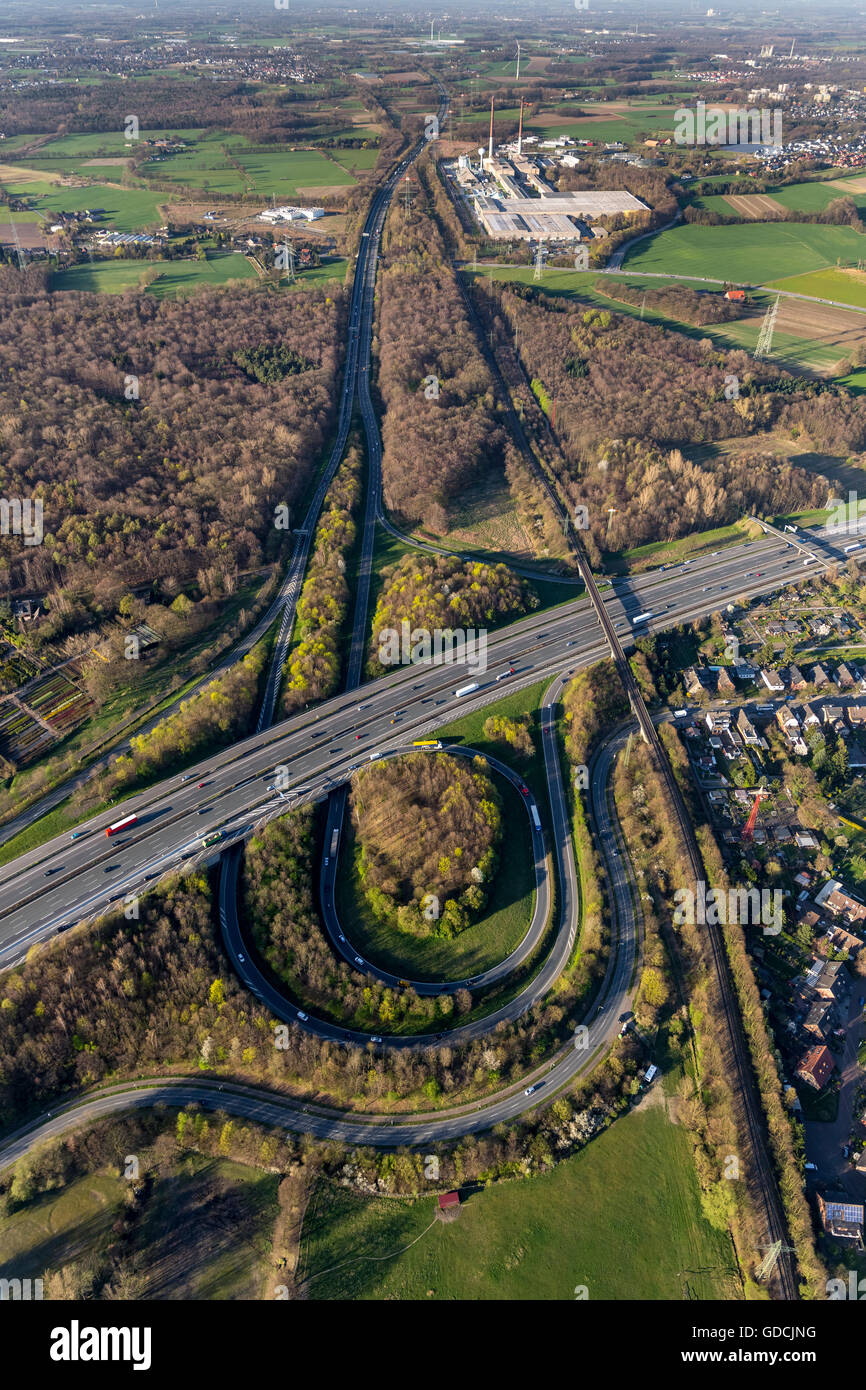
(321, 1122)
(319, 749)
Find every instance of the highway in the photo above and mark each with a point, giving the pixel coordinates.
(66, 880)
(580, 1054)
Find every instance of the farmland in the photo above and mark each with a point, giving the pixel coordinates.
(847, 288)
(81, 171)
(747, 254)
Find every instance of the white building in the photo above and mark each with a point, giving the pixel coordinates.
(291, 214)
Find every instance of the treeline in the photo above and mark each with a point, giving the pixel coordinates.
(164, 463)
(441, 592)
(785, 1140)
(313, 668)
(675, 301)
(176, 103)
(593, 703)
(842, 212)
(428, 827)
(678, 995)
(625, 390)
(219, 714)
(440, 431)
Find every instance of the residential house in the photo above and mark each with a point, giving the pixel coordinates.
(844, 677)
(804, 839)
(810, 719)
(819, 677)
(796, 679)
(744, 671)
(746, 729)
(856, 716)
(816, 1067)
(717, 720)
(833, 717)
(772, 680)
(818, 1022)
(694, 685)
(725, 685)
(788, 723)
(832, 983)
(838, 939)
(835, 899)
(841, 1218)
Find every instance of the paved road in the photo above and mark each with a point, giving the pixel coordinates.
(64, 881)
(601, 1023)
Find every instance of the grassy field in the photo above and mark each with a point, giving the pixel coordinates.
(622, 1219)
(827, 284)
(126, 209)
(752, 253)
(58, 1228)
(175, 277)
(500, 930)
(214, 162)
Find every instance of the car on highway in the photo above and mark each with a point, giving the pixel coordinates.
(357, 736)
(530, 1090)
(203, 784)
(375, 1038)
(358, 960)
(109, 868)
(48, 873)
(524, 791)
(76, 835)
(503, 675)
(187, 777)
(305, 1018)
(327, 860)
(341, 936)
(240, 958)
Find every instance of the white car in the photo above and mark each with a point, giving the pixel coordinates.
(302, 1016)
(358, 960)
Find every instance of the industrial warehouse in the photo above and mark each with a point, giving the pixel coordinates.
(512, 201)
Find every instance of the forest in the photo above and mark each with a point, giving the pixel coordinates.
(628, 393)
(440, 430)
(675, 301)
(428, 827)
(445, 591)
(155, 455)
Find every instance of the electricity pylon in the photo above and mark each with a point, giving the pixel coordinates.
(765, 337)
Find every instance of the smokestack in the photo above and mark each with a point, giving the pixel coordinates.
(490, 146)
(520, 131)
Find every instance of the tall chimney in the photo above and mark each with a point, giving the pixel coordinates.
(520, 130)
(490, 146)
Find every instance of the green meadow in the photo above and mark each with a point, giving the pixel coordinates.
(752, 253)
(621, 1220)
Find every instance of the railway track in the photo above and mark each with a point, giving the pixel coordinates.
(774, 1219)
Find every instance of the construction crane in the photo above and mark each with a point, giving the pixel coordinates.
(749, 827)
